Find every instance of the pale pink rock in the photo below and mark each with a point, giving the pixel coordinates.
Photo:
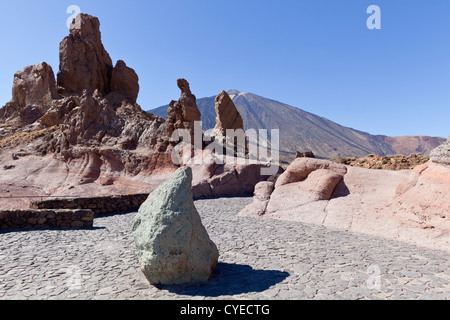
(300, 168)
(319, 185)
(261, 198)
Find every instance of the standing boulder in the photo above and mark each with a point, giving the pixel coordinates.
(173, 245)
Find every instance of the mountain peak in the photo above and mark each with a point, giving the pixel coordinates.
(233, 92)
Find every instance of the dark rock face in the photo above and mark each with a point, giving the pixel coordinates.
(84, 62)
(307, 154)
(125, 81)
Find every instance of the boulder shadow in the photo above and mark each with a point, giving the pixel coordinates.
(341, 190)
(231, 279)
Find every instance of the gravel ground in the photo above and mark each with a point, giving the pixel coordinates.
(260, 259)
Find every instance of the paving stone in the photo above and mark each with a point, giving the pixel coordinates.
(260, 259)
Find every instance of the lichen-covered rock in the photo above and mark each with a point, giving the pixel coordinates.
(173, 245)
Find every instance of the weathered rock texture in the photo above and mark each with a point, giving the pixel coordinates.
(173, 245)
(228, 116)
(84, 62)
(235, 177)
(304, 181)
(125, 81)
(34, 85)
(405, 205)
(183, 114)
(441, 155)
(93, 132)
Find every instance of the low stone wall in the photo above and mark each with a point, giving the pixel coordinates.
(46, 219)
(98, 205)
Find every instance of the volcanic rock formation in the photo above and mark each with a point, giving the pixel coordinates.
(92, 128)
(84, 62)
(306, 180)
(183, 114)
(406, 205)
(87, 134)
(228, 116)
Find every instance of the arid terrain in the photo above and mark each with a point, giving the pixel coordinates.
(81, 134)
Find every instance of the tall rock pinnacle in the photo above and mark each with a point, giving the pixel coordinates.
(84, 62)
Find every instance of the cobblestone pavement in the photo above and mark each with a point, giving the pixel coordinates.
(260, 259)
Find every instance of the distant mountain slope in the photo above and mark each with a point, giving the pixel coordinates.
(412, 144)
(299, 130)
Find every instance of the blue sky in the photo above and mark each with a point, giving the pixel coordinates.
(313, 54)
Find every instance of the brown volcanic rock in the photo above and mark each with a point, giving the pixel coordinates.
(84, 62)
(125, 81)
(34, 85)
(33, 90)
(228, 116)
(183, 113)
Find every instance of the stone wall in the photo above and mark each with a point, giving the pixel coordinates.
(98, 205)
(46, 219)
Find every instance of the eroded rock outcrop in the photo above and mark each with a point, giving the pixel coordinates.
(93, 127)
(34, 85)
(92, 137)
(173, 245)
(305, 180)
(125, 81)
(228, 117)
(33, 90)
(423, 198)
(183, 114)
(84, 63)
(228, 176)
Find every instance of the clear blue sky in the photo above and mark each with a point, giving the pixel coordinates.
(313, 54)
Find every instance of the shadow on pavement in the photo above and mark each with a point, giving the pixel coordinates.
(231, 279)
